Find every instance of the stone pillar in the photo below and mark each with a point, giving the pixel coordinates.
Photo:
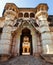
(6, 41)
(39, 45)
(6, 38)
(46, 38)
(14, 47)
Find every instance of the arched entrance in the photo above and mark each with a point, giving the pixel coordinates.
(26, 42)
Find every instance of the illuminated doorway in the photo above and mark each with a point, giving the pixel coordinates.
(26, 42)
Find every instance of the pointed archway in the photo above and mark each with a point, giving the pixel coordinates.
(26, 42)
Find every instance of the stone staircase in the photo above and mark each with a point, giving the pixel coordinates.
(26, 60)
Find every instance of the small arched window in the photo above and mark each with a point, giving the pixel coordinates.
(13, 9)
(26, 15)
(32, 15)
(20, 15)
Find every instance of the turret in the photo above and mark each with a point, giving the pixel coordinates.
(10, 15)
(46, 38)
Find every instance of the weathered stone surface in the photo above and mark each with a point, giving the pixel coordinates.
(26, 60)
(4, 49)
(11, 36)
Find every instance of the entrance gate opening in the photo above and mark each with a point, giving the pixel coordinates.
(26, 42)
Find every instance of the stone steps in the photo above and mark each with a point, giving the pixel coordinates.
(25, 60)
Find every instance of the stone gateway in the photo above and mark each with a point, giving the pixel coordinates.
(26, 32)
